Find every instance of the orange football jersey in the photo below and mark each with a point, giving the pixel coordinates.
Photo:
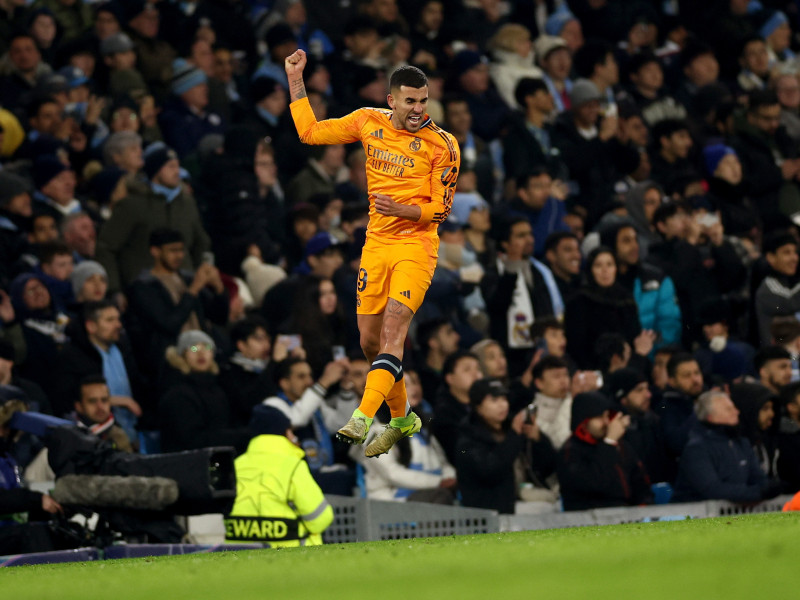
(411, 168)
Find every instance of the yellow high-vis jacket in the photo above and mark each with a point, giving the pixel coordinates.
(277, 500)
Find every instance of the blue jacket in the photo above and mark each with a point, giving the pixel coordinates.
(718, 466)
(184, 129)
(658, 306)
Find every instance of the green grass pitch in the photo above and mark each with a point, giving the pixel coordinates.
(747, 557)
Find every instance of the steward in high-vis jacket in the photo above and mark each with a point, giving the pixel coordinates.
(277, 501)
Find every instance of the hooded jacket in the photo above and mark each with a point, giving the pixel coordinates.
(594, 473)
(750, 398)
(634, 203)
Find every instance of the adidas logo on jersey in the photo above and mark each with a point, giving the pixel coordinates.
(378, 133)
(406, 294)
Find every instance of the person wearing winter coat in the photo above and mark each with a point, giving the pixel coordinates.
(718, 463)
(757, 407)
(601, 305)
(597, 468)
(195, 412)
(490, 444)
(512, 51)
(778, 295)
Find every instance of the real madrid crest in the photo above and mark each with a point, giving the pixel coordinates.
(415, 145)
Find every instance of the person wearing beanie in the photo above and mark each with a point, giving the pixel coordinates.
(160, 201)
(728, 191)
(490, 444)
(276, 483)
(778, 295)
(15, 214)
(718, 462)
(119, 60)
(55, 187)
(597, 467)
(629, 389)
(562, 23)
(267, 118)
(166, 299)
(194, 412)
(89, 281)
(777, 33)
(186, 119)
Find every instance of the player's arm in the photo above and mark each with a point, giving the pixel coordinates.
(444, 175)
(443, 185)
(311, 131)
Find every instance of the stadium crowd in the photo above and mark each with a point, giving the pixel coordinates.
(614, 314)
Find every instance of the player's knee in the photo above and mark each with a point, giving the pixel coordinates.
(370, 344)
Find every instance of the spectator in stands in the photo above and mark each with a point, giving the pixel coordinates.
(165, 300)
(15, 215)
(512, 53)
(451, 405)
(475, 153)
(154, 56)
(55, 187)
(536, 200)
(194, 412)
(588, 147)
(519, 291)
(596, 62)
(80, 236)
(718, 463)
(563, 254)
(161, 201)
(300, 399)
(647, 90)
(773, 364)
(728, 191)
(54, 269)
(322, 258)
(597, 467)
(700, 68)
(555, 59)
(490, 443)
(325, 170)
(757, 406)
(789, 438)
(613, 352)
(529, 142)
(273, 471)
(602, 305)
(249, 375)
(642, 200)
(684, 385)
(754, 62)
(652, 290)
(768, 156)
(721, 355)
(437, 340)
(554, 393)
(269, 106)
(669, 157)
(471, 71)
(119, 58)
(89, 282)
(787, 88)
(777, 295)
(24, 69)
(629, 389)
(98, 345)
(93, 413)
(23, 389)
(186, 120)
(124, 151)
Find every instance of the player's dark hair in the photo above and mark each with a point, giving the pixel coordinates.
(546, 364)
(408, 76)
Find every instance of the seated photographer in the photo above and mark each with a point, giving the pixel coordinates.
(277, 501)
(597, 468)
(195, 412)
(93, 412)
